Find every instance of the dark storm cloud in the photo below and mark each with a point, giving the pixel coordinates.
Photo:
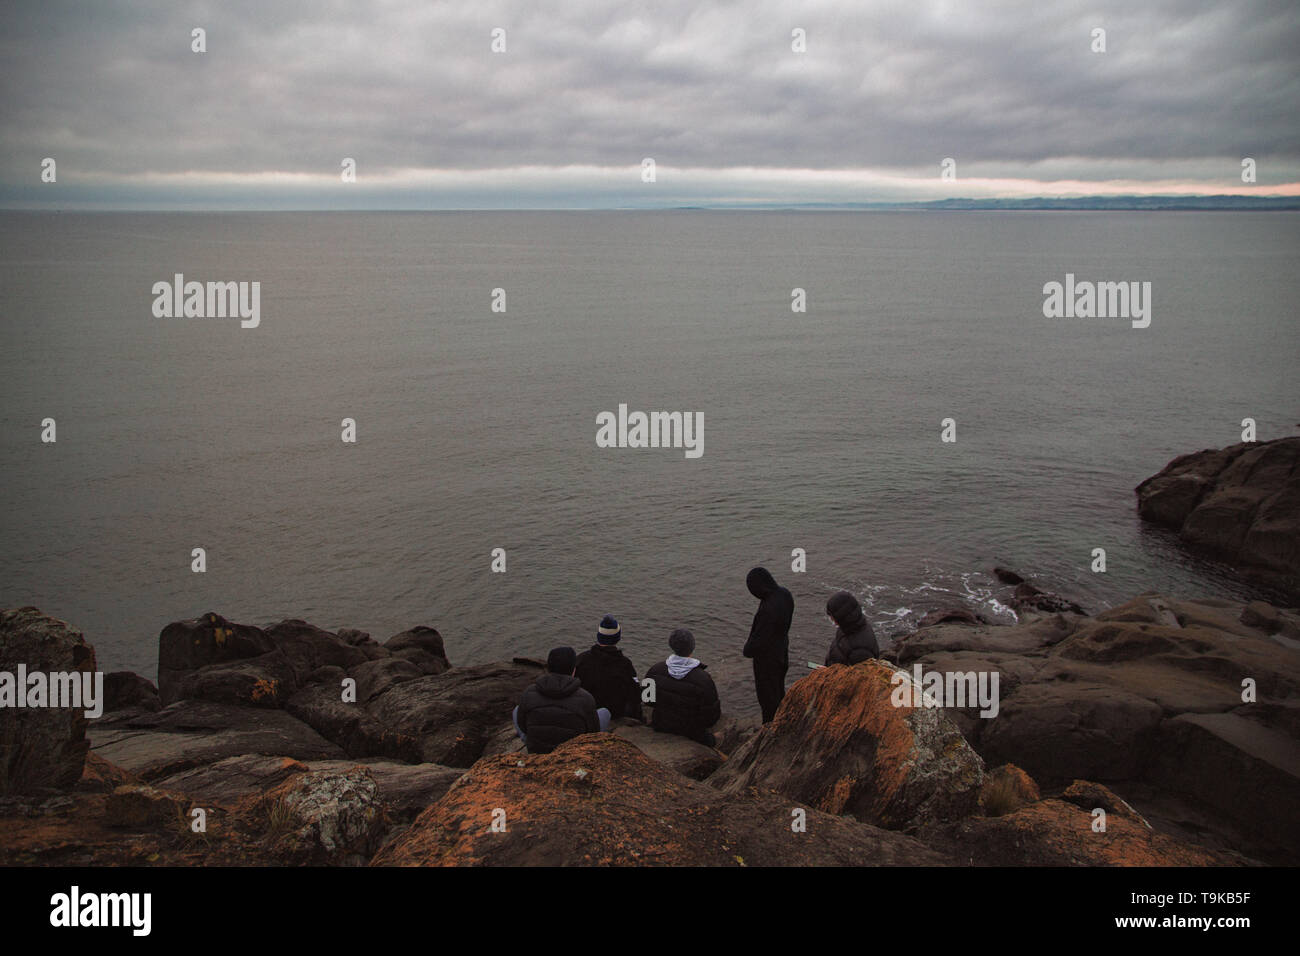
(293, 87)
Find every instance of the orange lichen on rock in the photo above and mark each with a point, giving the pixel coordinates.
(598, 800)
(265, 689)
(844, 742)
(1056, 833)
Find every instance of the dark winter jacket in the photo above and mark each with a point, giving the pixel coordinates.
(769, 635)
(855, 641)
(554, 709)
(687, 706)
(610, 678)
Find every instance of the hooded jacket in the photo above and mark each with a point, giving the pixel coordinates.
(554, 709)
(610, 678)
(686, 705)
(769, 635)
(854, 641)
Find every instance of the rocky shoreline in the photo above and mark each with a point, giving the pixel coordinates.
(1175, 721)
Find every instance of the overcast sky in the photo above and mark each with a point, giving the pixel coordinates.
(587, 89)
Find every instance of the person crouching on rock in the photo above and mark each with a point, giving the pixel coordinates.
(686, 700)
(609, 676)
(555, 708)
(769, 639)
(854, 639)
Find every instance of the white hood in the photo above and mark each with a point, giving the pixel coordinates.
(679, 667)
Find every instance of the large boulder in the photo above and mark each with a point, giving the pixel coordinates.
(838, 742)
(41, 747)
(1240, 504)
(265, 681)
(186, 646)
(597, 800)
(456, 714)
(213, 659)
(351, 725)
(421, 646)
(378, 676)
(309, 648)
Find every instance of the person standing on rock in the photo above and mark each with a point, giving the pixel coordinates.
(555, 708)
(854, 641)
(609, 676)
(686, 699)
(769, 639)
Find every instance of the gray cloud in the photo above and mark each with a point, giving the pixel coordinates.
(1185, 86)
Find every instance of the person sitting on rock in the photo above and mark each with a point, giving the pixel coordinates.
(854, 641)
(555, 708)
(685, 698)
(609, 676)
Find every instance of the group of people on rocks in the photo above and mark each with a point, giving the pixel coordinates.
(583, 693)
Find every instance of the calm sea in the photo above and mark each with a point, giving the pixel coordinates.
(476, 429)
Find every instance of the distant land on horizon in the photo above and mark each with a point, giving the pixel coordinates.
(1221, 203)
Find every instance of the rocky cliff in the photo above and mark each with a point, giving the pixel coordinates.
(295, 745)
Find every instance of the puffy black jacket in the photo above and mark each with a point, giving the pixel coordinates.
(769, 635)
(686, 706)
(554, 709)
(610, 678)
(854, 641)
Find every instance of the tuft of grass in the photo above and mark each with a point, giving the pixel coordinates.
(1002, 796)
(279, 818)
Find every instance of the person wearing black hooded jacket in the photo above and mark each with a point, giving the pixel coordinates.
(854, 641)
(769, 639)
(555, 708)
(608, 675)
(686, 699)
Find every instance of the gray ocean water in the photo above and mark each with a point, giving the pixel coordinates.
(476, 429)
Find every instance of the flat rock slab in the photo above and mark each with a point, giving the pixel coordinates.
(195, 733)
(687, 757)
(405, 789)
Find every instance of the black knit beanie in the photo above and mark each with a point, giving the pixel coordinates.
(562, 660)
(682, 642)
